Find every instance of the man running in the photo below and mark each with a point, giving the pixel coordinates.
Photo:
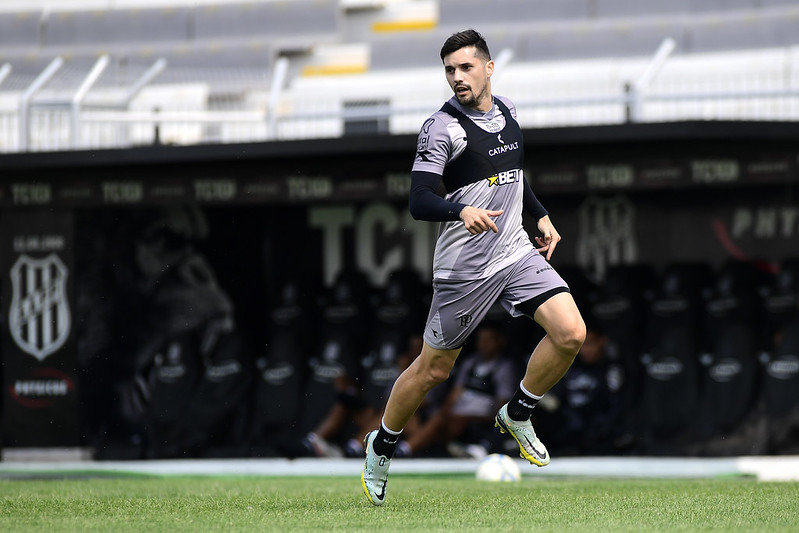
(473, 145)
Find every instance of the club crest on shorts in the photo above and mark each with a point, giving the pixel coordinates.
(39, 318)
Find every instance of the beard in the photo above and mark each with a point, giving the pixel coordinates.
(469, 98)
(466, 99)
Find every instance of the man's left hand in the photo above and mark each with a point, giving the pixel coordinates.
(550, 237)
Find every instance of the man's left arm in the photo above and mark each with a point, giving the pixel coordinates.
(549, 235)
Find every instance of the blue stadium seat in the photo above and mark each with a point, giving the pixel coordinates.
(625, 8)
(773, 28)
(20, 29)
(587, 40)
(257, 54)
(118, 26)
(393, 51)
(460, 14)
(530, 42)
(291, 23)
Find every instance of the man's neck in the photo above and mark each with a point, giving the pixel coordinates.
(486, 105)
(482, 108)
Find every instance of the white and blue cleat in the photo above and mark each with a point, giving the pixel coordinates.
(374, 477)
(530, 447)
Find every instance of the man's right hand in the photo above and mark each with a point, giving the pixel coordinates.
(479, 220)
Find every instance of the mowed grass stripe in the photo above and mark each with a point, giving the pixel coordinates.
(414, 503)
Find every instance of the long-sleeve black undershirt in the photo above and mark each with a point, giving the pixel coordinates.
(425, 203)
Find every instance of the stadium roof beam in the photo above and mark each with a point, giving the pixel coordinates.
(77, 99)
(637, 90)
(5, 70)
(279, 77)
(24, 102)
(149, 75)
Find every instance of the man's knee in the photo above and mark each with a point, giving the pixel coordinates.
(432, 372)
(569, 338)
(563, 323)
(437, 374)
(434, 366)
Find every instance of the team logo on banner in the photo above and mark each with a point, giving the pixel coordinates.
(606, 234)
(39, 317)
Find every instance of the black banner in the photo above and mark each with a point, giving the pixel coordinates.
(662, 172)
(39, 355)
(547, 177)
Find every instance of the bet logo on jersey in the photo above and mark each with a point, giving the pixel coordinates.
(505, 178)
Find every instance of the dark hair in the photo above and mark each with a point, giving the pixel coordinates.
(462, 39)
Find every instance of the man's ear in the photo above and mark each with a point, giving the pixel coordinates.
(490, 67)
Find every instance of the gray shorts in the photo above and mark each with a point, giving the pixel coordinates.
(459, 306)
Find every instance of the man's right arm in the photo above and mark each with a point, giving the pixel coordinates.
(435, 146)
(424, 202)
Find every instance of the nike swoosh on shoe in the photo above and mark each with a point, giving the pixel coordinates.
(535, 451)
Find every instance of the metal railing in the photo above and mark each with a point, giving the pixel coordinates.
(70, 121)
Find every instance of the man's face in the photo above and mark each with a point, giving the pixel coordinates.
(470, 78)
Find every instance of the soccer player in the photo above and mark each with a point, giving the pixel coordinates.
(473, 145)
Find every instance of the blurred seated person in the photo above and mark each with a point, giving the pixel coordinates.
(464, 423)
(348, 408)
(323, 440)
(585, 406)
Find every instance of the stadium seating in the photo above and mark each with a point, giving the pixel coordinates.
(781, 377)
(401, 51)
(670, 385)
(398, 313)
(552, 31)
(105, 27)
(233, 45)
(583, 289)
(458, 14)
(205, 55)
(619, 310)
(20, 29)
(730, 372)
(535, 30)
(607, 38)
(296, 23)
(281, 371)
(335, 362)
(621, 8)
(781, 299)
(729, 380)
(753, 29)
(290, 24)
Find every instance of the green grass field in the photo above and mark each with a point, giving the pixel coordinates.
(414, 503)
